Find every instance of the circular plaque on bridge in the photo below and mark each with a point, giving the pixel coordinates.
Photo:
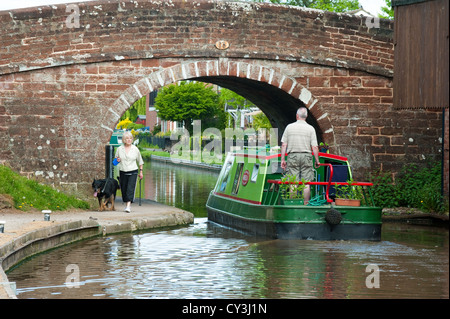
(222, 45)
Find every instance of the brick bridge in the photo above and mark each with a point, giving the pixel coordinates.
(68, 72)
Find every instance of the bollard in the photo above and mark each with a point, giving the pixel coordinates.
(46, 214)
(2, 226)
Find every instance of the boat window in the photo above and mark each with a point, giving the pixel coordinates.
(226, 177)
(237, 178)
(255, 173)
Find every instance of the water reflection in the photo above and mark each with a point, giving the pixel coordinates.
(176, 185)
(208, 261)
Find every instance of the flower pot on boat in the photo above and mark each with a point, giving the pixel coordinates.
(347, 202)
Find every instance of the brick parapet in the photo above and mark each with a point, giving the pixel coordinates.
(34, 39)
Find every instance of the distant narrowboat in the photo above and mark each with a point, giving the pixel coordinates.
(252, 195)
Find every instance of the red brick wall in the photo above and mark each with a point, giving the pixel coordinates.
(34, 38)
(62, 90)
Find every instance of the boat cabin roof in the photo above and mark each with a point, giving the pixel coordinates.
(245, 174)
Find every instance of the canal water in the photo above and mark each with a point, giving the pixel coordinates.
(204, 260)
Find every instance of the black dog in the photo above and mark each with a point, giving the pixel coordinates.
(105, 189)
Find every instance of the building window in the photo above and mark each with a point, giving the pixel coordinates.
(237, 178)
(255, 173)
(151, 98)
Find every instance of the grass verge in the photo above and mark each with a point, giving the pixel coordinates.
(29, 194)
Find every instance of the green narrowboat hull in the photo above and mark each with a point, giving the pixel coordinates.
(250, 191)
(296, 222)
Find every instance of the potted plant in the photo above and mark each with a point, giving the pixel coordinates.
(291, 191)
(323, 147)
(348, 194)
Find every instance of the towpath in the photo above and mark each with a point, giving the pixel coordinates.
(21, 229)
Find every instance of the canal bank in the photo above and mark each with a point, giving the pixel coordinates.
(170, 258)
(185, 162)
(27, 233)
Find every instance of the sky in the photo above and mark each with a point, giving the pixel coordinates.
(372, 6)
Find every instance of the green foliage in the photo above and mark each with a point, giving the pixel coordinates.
(29, 194)
(348, 191)
(143, 143)
(335, 5)
(138, 108)
(260, 121)
(147, 154)
(234, 100)
(123, 124)
(328, 5)
(421, 188)
(134, 126)
(384, 191)
(388, 11)
(414, 187)
(290, 191)
(156, 129)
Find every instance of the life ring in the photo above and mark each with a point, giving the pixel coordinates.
(333, 216)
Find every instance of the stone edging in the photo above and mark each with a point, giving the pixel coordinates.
(43, 239)
(177, 161)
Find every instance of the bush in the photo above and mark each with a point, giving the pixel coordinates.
(123, 124)
(147, 154)
(135, 126)
(384, 191)
(414, 187)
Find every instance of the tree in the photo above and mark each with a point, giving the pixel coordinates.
(388, 11)
(328, 5)
(234, 101)
(138, 108)
(187, 101)
(260, 121)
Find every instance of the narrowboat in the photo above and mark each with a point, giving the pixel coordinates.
(252, 195)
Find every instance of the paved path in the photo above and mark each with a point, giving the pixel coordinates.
(20, 225)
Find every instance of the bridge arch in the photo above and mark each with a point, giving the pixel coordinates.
(60, 81)
(277, 95)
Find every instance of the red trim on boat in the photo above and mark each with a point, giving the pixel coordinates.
(324, 155)
(332, 156)
(238, 198)
(267, 157)
(275, 181)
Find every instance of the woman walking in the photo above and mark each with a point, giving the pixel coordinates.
(129, 158)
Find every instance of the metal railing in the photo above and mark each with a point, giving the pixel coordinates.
(272, 192)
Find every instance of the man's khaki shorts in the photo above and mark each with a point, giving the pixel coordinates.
(301, 166)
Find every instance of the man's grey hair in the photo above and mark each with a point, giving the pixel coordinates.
(302, 112)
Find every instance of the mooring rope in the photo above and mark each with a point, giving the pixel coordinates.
(317, 201)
